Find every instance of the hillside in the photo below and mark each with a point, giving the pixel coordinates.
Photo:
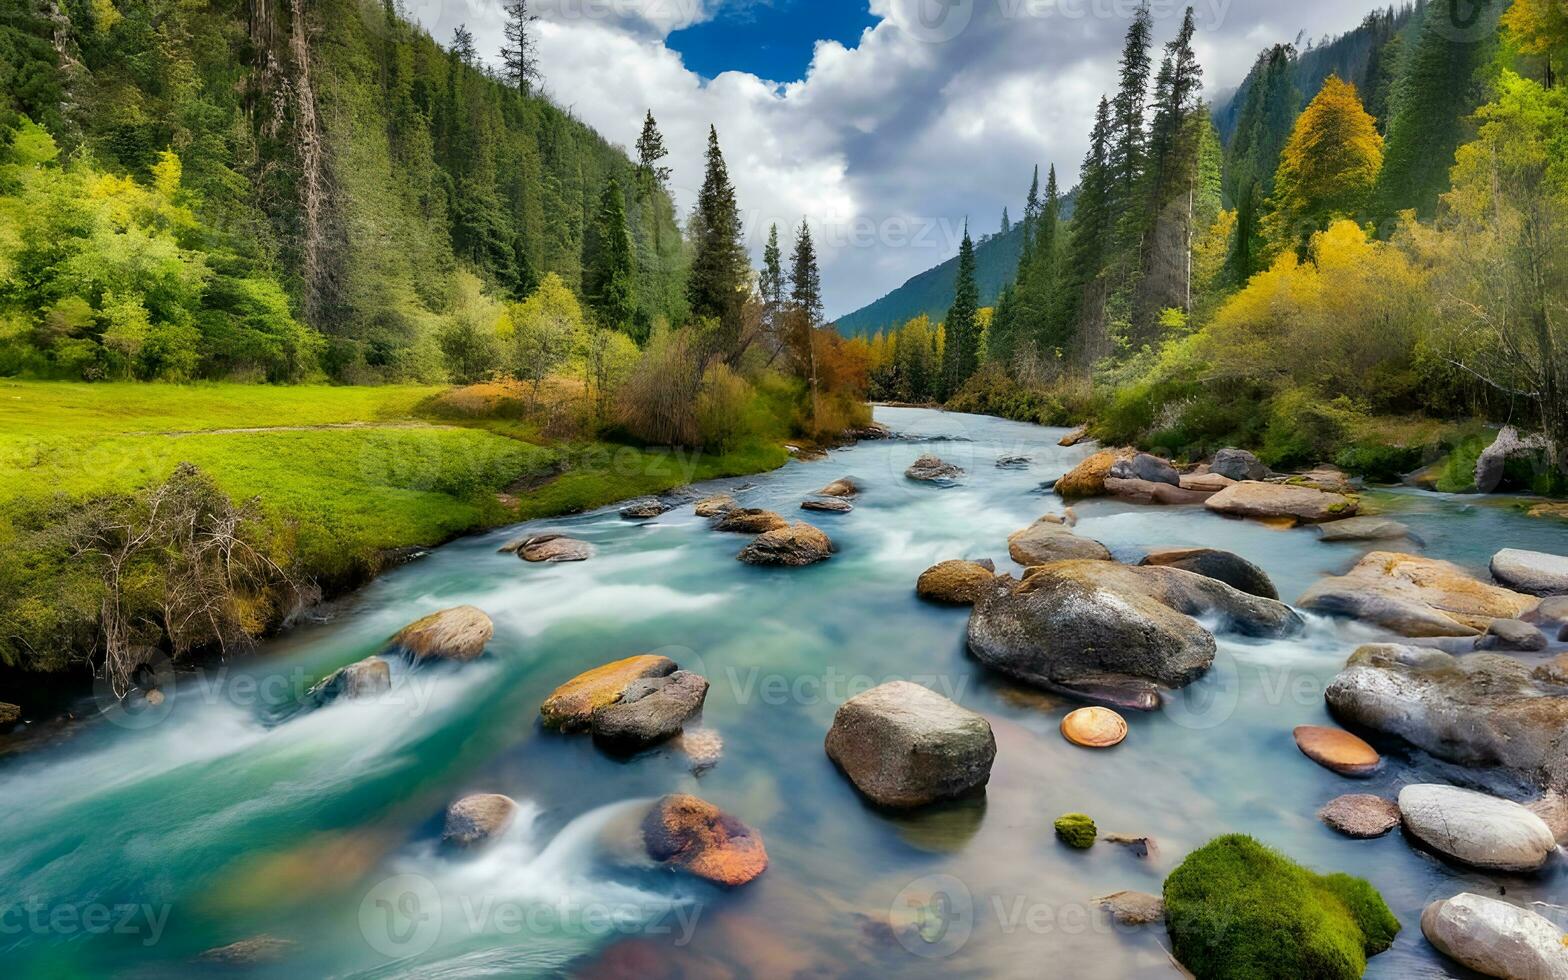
(320, 179)
(931, 292)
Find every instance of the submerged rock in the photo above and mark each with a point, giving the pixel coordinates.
(553, 548)
(459, 634)
(714, 506)
(1532, 572)
(1337, 750)
(1238, 465)
(366, 679)
(1046, 541)
(1476, 829)
(571, 706)
(842, 487)
(832, 505)
(1361, 815)
(1232, 569)
(1014, 462)
(1133, 908)
(1278, 500)
(903, 746)
(1092, 626)
(478, 819)
(1415, 596)
(695, 837)
(930, 469)
(960, 583)
(1482, 710)
(1145, 467)
(255, 951)
(1237, 909)
(650, 710)
(1363, 529)
(793, 546)
(644, 508)
(1495, 938)
(749, 520)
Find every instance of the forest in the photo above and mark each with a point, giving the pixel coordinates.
(1372, 259)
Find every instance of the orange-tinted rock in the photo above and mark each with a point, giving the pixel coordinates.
(961, 583)
(570, 707)
(749, 520)
(458, 634)
(1087, 479)
(1094, 728)
(696, 837)
(1337, 750)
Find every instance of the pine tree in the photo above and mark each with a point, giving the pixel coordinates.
(608, 268)
(716, 284)
(1032, 208)
(1435, 95)
(805, 307)
(772, 285)
(1125, 150)
(1328, 169)
(1082, 295)
(960, 356)
(650, 150)
(463, 46)
(1264, 125)
(519, 59)
(1007, 222)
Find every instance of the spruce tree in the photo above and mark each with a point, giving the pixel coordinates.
(960, 356)
(519, 59)
(1434, 96)
(773, 285)
(608, 268)
(805, 301)
(1125, 152)
(1089, 241)
(1007, 222)
(716, 283)
(650, 150)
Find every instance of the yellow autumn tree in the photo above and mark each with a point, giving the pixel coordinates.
(1327, 170)
(1539, 27)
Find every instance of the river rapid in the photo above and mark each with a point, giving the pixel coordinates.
(232, 811)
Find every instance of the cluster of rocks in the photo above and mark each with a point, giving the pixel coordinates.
(931, 469)
(628, 705)
(776, 540)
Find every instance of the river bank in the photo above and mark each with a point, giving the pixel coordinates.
(245, 812)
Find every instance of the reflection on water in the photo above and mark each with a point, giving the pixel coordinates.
(236, 817)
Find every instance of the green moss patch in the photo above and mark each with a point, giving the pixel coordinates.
(1076, 830)
(1238, 909)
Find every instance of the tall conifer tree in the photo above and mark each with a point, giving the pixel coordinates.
(715, 286)
(960, 355)
(519, 57)
(608, 268)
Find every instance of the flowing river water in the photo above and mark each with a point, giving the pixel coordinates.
(228, 812)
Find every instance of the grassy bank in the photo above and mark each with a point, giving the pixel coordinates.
(340, 477)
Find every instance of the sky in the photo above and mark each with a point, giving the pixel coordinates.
(884, 123)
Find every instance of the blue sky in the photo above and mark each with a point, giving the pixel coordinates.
(772, 39)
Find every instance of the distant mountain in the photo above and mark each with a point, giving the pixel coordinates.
(931, 292)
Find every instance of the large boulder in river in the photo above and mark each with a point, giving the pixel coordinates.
(553, 548)
(930, 469)
(1354, 529)
(1533, 572)
(1279, 501)
(649, 711)
(714, 506)
(842, 487)
(749, 520)
(644, 508)
(1492, 465)
(904, 745)
(1496, 938)
(477, 819)
(1046, 541)
(570, 707)
(1481, 710)
(1232, 569)
(459, 634)
(695, 837)
(1146, 467)
(960, 583)
(1087, 479)
(794, 546)
(1092, 628)
(1238, 465)
(1477, 829)
(831, 505)
(1415, 596)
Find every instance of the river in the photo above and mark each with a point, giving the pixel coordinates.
(229, 812)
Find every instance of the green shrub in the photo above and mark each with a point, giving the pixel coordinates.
(1077, 830)
(1238, 909)
(1379, 462)
(993, 391)
(1304, 429)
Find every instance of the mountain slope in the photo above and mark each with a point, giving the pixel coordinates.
(931, 292)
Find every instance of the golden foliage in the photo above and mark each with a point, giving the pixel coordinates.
(1328, 167)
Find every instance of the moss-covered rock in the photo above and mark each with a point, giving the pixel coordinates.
(1077, 830)
(1235, 908)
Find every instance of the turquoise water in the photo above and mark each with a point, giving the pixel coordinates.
(228, 813)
